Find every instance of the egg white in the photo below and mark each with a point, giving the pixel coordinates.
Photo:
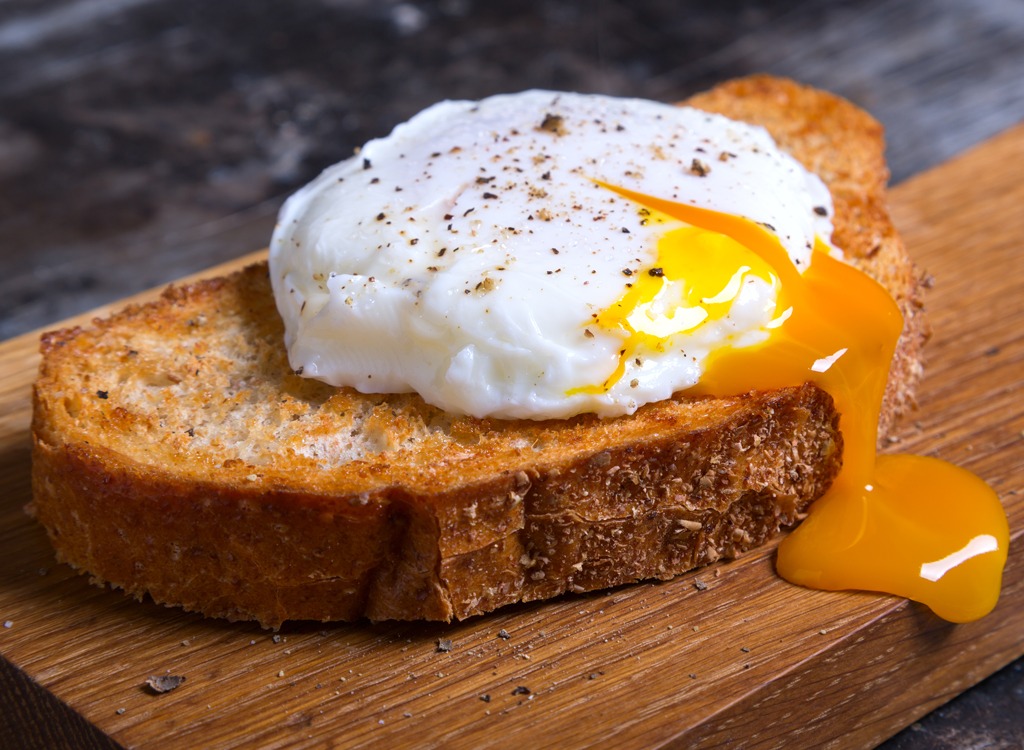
(465, 255)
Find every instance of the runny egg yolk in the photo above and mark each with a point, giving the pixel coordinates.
(913, 526)
(697, 278)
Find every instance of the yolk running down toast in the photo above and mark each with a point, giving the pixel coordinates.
(913, 526)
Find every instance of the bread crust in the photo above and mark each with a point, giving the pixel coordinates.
(176, 455)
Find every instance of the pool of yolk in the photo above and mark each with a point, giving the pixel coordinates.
(913, 526)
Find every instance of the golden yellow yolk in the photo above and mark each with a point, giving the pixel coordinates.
(913, 526)
(697, 277)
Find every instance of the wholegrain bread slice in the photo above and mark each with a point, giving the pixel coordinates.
(177, 455)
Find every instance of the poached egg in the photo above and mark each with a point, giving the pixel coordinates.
(544, 254)
(487, 255)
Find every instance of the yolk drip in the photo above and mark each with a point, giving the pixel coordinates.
(913, 526)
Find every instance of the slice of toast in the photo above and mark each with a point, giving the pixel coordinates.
(176, 454)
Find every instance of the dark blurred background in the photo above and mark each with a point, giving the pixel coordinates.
(141, 140)
(144, 139)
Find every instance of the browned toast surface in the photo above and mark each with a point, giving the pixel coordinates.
(176, 454)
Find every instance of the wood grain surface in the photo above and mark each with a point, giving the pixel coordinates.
(727, 655)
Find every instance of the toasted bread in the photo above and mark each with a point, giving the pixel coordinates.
(176, 454)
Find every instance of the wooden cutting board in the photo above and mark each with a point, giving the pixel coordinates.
(728, 653)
